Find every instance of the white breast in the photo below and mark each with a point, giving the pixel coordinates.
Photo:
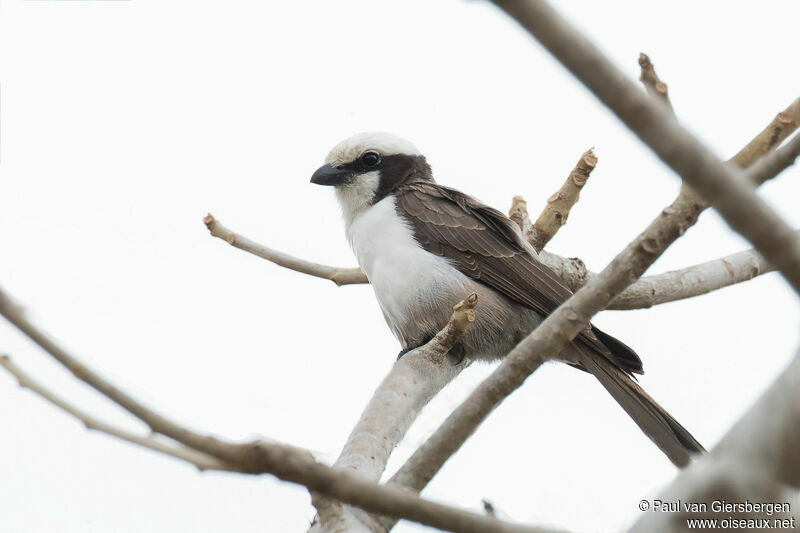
(404, 276)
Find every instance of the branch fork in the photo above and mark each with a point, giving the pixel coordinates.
(346, 493)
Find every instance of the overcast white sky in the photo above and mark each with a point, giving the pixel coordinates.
(123, 123)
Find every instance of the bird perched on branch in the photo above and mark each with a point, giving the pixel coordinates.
(424, 247)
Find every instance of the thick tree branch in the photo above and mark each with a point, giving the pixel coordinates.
(285, 462)
(340, 276)
(414, 380)
(757, 460)
(555, 212)
(200, 460)
(562, 326)
(721, 185)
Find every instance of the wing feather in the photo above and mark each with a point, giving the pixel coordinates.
(487, 247)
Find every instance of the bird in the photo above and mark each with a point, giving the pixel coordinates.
(424, 247)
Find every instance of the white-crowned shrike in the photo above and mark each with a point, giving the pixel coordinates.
(424, 247)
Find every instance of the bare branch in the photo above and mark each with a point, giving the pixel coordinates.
(722, 185)
(340, 276)
(648, 291)
(756, 460)
(697, 279)
(770, 137)
(285, 462)
(414, 380)
(652, 83)
(200, 460)
(766, 168)
(519, 213)
(555, 212)
(692, 281)
(562, 325)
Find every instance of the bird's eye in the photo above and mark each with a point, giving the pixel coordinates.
(370, 159)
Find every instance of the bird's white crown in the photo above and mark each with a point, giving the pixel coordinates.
(384, 143)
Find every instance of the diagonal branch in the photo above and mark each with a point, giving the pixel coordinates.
(340, 276)
(705, 277)
(285, 462)
(723, 186)
(756, 460)
(414, 380)
(200, 460)
(555, 212)
(568, 320)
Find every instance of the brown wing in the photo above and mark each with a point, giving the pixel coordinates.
(486, 246)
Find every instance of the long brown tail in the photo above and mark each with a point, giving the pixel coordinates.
(673, 439)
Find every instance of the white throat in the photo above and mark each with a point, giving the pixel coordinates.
(408, 281)
(356, 197)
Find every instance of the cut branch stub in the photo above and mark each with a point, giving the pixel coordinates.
(652, 83)
(519, 213)
(555, 213)
(463, 315)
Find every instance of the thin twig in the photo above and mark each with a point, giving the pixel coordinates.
(572, 270)
(652, 83)
(702, 278)
(723, 186)
(201, 460)
(648, 291)
(555, 212)
(340, 276)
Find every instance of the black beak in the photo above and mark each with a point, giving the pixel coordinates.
(328, 175)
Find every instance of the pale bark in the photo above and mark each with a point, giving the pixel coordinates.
(723, 186)
(519, 213)
(413, 381)
(258, 457)
(201, 460)
(556, 210)
(757, 460)
(647, 291)
(340, 276)
(569, 319)
(652, 83)
(770, 459)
